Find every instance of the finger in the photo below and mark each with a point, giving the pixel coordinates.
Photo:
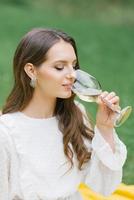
(110, 95)
(104, 94)
(114, 100)
(113, 107)
(101, 96)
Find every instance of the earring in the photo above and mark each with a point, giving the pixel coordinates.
(33, 82)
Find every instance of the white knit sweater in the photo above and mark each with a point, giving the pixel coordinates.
(33, 165)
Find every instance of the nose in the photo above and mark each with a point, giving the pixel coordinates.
(71, 74)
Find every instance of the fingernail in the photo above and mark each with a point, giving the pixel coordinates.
(101, 96)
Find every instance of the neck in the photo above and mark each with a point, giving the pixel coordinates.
(40, 106)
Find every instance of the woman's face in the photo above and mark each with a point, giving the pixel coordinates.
(56, 75)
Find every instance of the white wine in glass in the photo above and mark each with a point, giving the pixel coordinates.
(88, 88)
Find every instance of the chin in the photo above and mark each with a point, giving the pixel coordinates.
(65, 96)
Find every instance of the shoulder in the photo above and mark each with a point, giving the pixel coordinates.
(6, 124)
(4, 138)
(8, 119)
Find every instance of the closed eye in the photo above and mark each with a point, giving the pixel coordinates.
(59, 68)
(62, 66)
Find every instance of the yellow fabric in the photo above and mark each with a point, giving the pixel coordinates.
(123, 192)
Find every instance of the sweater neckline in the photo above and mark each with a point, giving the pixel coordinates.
(34, 118)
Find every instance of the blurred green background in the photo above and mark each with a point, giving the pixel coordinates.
(104, 32)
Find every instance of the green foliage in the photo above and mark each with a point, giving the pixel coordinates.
(16, 2)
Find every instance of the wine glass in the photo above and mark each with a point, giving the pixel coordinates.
(88, 88)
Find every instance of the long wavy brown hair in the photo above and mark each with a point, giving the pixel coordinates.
(33, 49)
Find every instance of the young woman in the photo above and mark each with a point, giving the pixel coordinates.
(47, 143)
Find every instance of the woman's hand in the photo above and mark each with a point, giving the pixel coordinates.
(105, 116)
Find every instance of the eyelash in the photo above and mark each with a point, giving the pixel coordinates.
(61, 68)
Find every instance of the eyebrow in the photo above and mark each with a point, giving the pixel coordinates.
(64, 61)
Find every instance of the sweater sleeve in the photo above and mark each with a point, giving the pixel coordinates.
(4, 166)
(104, 172)
(9, 184)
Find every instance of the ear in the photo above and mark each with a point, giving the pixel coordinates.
(30, 70)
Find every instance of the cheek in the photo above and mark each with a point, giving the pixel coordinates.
(49, 78)
(46, 76)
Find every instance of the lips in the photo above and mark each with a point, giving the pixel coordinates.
(67, 86)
